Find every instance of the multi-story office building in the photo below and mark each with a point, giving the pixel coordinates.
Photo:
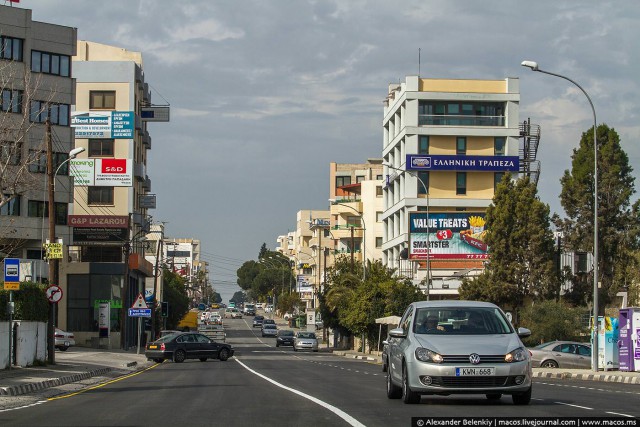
(110, 214)
(37, 86)
(356, 210)
(446, 145)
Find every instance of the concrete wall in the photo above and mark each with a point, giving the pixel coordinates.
(31, 343)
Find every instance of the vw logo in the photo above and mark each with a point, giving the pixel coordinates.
(474, 358)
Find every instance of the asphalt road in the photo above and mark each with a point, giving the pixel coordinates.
(269, 386)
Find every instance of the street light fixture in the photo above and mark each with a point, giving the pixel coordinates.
(594, 350)
(426, 191)
(364, 237)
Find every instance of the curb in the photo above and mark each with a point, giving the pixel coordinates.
(17, 390)
(588, 377)
(355, 356)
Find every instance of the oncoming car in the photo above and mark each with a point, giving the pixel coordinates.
(187, 345)
(457, 347)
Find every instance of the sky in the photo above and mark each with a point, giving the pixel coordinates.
(264, 94)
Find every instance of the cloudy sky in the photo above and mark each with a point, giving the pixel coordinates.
(265, 93)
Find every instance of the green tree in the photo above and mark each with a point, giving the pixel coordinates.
(175, 293)
(31, 303)
(618, 223)
(553, 320)
(238, 297)
(521, 249)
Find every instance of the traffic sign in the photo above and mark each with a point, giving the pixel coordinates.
(140, 302)
(139, 312)
(54, 294)
(11, 274)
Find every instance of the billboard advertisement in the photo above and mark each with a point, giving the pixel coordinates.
(102, 172)
(103, 124)
(451, 235)
(303, 284)
(428, 162)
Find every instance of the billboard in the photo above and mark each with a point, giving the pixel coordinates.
(451, 235)
(102, 172)
(303, 284)
(427, 162)
(103, 124)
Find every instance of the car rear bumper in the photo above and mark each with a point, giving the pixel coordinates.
(158, 354)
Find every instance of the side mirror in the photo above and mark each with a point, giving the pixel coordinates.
(397, 333)
(523, 332)
(385, 342)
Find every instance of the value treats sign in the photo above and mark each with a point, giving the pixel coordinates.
(102, 172)
(103, 124)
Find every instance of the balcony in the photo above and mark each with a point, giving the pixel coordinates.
(344, 232)
(451, 120)
(346, 207)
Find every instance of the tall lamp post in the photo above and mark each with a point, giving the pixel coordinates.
(426, 191)
(594, 360)
(364, 236)
(53, 262)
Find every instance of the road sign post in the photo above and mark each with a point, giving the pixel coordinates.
(11, 282)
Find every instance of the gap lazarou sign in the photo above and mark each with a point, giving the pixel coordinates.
(427, 162)
(450, 235)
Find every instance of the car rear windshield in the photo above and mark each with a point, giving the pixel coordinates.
(307, 335)
(461, 321)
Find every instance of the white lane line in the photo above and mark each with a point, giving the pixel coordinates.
(40, 402)
(575, 406)
(618, 413)
(339, 412)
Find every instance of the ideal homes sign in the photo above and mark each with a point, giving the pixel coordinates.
(103, 124)
(423, 162)
(102, 172)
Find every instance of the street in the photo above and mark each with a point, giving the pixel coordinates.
(265, 385)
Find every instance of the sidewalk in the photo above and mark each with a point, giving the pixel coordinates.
(76, 364)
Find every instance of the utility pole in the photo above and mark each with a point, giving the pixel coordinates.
(353, 247)
(53, 262)
(126, 249)
(154, 331)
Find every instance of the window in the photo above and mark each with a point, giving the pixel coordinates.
(423, 181)
(35, 254)
(497, 179)
(449, 113)
(499, 146)
(84, 292)
(423, 144)
(10, 153)
(39, 111)
(343, 180)
(38, 162)
(12, 101)
(11, 48)
(40, 209)
(379, 177)
(378, 216)
(50, 63)
(100, 195)
(12, 207)
(102, 100)
(101, 148)
(353, 221)
(378, 191)
(461, 183)
(461, 145)
(378, 242)
(359, 179)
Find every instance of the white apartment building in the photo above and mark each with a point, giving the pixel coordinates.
(446, 145)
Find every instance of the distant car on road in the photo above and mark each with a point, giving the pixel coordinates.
(269, 330)
(187, 345)
(233, 313)
(285, 337)
(258, 320)
(268, 321)
(305, 341)
(562, 354)
(64, 340)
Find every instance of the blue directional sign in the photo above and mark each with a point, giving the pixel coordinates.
(139, 312)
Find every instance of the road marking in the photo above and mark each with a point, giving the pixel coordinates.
(40, 402)
(575, 406)
(339, 412)
(588, 388)
(618, 413)
(124, 377)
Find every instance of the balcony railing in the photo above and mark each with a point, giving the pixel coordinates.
(449, 120)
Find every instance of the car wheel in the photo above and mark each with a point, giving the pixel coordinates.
(522, 398)
(315, 351)
(549, 364)
(277, 344)
(203, 359)
(393, 391)
(384, 367)
(158, 360)
(494, 396)
(179, 356)
(294, 348)
(408, 396)
(224, 354)
(63, 348)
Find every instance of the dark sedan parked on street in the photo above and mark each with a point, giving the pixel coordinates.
(187, 345)
(285, 337)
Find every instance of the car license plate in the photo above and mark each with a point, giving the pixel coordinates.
(66, 343)
(153, 346)
(475, 372)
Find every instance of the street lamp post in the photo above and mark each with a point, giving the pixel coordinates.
(426, 190)
(594, 360)
(364, 237)
(53, 262)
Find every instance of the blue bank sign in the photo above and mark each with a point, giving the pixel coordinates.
(103, 124)
(423, 162)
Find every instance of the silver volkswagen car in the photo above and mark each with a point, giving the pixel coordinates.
(457, 347)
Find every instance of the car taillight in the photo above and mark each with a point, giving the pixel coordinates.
(71, 336)
(59, 336)
(162, 347)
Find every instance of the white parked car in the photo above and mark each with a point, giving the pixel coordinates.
(64, 340)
